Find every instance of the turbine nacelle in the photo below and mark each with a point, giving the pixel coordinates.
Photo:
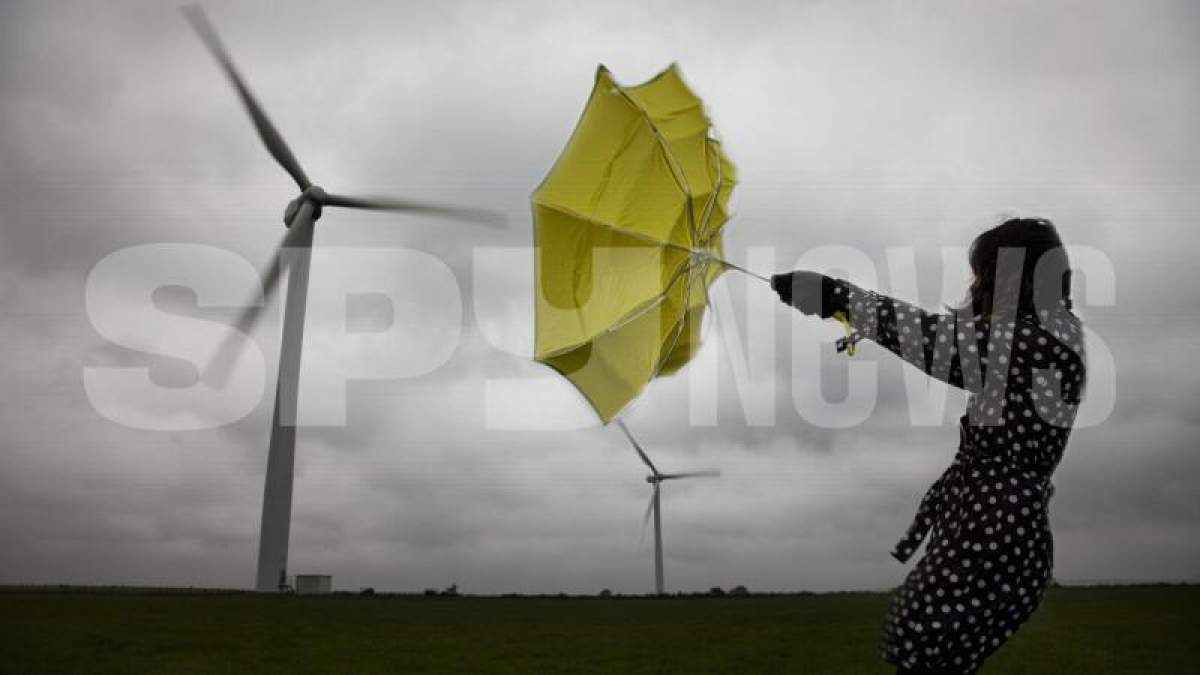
(313, 194)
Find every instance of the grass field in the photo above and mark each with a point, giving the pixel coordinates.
(1147, 629)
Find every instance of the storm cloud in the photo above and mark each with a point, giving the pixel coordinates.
(901, 126)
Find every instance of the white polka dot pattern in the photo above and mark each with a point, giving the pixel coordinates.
(990, 552)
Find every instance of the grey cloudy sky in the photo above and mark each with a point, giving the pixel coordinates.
(871, 125)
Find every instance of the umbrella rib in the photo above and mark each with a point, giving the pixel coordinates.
(676, 331)
(720, 227)
(633, 234)
(639, 312)
(633, 315)
(712, 199)
(676, 171)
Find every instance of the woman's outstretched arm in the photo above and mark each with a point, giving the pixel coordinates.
(938, 344)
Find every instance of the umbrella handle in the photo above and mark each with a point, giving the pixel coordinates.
(847, 343)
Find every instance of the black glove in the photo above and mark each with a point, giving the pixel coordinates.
(809, 292)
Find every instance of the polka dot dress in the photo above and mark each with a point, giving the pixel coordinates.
(989, 550)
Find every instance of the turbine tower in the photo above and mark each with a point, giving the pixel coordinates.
(294, 254)
(655, 479)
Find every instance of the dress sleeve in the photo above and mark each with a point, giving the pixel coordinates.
(938, 344)
(1050, 363)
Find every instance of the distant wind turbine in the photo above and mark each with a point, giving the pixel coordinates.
(299, 217)
(655, 479)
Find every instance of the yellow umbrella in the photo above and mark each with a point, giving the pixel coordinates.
(627, 229)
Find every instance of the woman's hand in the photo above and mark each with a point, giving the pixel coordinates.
(809, 292)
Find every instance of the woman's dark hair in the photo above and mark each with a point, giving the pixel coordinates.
(1022, 261)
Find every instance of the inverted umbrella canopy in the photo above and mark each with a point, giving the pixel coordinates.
(627, 229)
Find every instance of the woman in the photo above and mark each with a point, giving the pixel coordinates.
(1017, 348)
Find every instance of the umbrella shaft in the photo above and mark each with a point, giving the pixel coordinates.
(742, 269)
(708, 256)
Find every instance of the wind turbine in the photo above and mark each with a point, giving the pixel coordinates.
(294, 254)
(655, 479)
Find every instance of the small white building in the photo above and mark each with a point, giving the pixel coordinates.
(314, 584)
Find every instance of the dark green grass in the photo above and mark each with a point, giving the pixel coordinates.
(1149, 629)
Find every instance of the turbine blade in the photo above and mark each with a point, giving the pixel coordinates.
(641, 453)
(217, 373)
(706, 473)
(266, 131)
(646, 518)
(477, 216)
